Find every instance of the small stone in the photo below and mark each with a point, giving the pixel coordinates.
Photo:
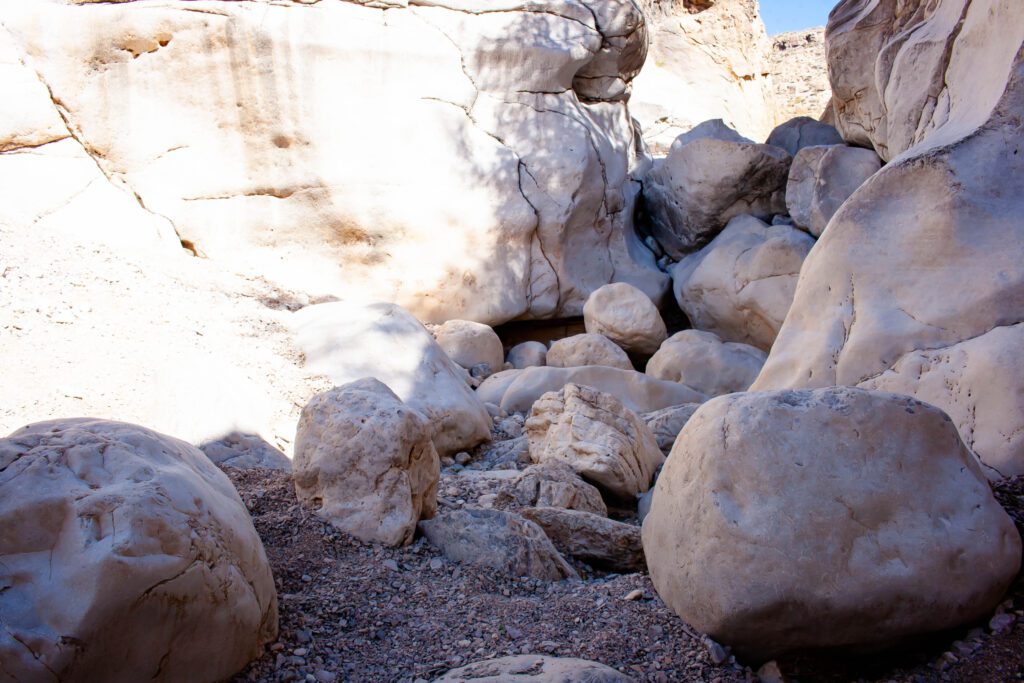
(306, 578)
(770, 673)
(325, 676)
(487, 500)
(300, 652)
(1001, 622)
(634, 594)
(436, 563)
(463, 643)
(462, 458)
(716, 652)
(391, 564)
(276, 647)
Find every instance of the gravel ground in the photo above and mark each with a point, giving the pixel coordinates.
(356, 612)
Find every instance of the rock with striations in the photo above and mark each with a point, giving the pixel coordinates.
(471, 344)
(701, 360)
(534, 669)
(364, 461)
(601, 439)
(822, 178)
(587, 349)
(556, 484)
(625, 315)
(769, 542)
(594, 539)
(122, 550)
(803, 131)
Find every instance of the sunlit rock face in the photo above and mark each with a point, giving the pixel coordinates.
(463, 159)
(707, 60)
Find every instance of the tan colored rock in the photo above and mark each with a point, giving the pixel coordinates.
(666, 423)
(822, 178)
(471, 344)
(534, 669)
(601, 439)
(800, 74)
(347, 341)
(803, 131)
(740, 286)
(365, 463)
(701, 185)
(529, 354)
(500, 540)
(587, 349)
(625, 315)
(590, 538)
(122, 551)
(768, 542)
(701, 360)
(556, 484)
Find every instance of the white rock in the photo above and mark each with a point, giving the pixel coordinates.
(666, 423)
(766, 541)
(349, 341)
(245, 451)
(803, 131)
(702, 361)
(556, 484)
(625, 315)
(470, 344)
(822, 178)
(534, 669)
(364, 461)
(601, 439)
(529, 354)
(740, 286)
(122, 551)
(587, 349)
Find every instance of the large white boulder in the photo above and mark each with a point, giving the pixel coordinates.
(803, 131)
(587, 349)
(276, 139)
(364, 461)
(692, 193)
(126, 555)
(702, 361)
(601, 439)
(625, 315)
(348, 341)
(769, 542)
(740, 286)
(821, 178)
(471, 344)
(917, 285)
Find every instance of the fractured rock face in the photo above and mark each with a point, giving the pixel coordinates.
(534, 669)
(822, 178)
(587, 349)
(803, 131)
(277, 141)
(768, 542)
(740, 286)
(625, 315)
(692, 193)
(594, 539)
(601, 439)
(365, 463)
(701, 360)
(556, 484)
(122, 550)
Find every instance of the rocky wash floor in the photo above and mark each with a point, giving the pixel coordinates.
(355, 612)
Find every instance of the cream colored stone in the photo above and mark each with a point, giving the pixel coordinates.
(822, 178)
(587, 349)
(767, 541)
(469, 344)
(702, 361)
(364, 462)
(122, 551)
(534, 669)
(625, 315)
(740, 286)
(601, 439)
(666, 423)
(529, 354)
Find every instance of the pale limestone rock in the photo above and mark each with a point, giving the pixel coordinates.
(713, 129)
(803, 131)
(232, 136)
(601, 439)
(666, 423)
(924, 263)
(707, 60)
(822, 178)
(493, 389)
(470, 344)
(122, 551)
(245, 451)
(349, 341)
(740, 286)
(556, 484)
(365, 463)
(692, 193)
(594, 539)
(702, 361)
(529, 354)
(587, 349)
(635, 390)
(500, 540)
(768, 542)
(800, 74)
(625, 315)
(534, 669)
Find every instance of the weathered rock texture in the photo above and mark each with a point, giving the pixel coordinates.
(666, 423)
(365, 462)
(800, 74)
(822, 178)
(276, 139)
(594, 539)
(707, 60)
(588, 349)
(601, 439)
(766, 541)
(125, 555)
(556, 484)
(740, 286)
(917, 286)
(701, 360)
(534, 669)
(803, 131)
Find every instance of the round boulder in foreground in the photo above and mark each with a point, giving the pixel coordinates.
(125, 555)
(825, 518)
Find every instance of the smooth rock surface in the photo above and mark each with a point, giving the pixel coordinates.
(470, 344)
(534, 669)
(531, 354)
(601, 439)
(365, 462)
(702, 361)
(121, 551)
(625, 315)
(347, 341)
(803, 131)
(666, 423)
(740, 286)
(768, 542)
(594, 539)
(245, 451)
(822, 178)
(587, 349)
